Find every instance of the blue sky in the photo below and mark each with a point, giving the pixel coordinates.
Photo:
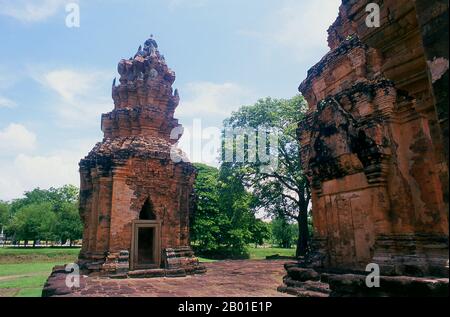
(55, 81)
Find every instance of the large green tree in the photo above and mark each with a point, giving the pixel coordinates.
(282, 191)
(34, 222)
(223, 222)
(261, 232)
(68, 225)
(65, 206)
(56, 196)
(207, 222)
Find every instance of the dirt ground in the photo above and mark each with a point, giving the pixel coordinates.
(225, 278)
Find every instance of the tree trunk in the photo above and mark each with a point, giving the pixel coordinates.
(303, 234)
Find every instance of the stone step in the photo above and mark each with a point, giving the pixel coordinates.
(314, 286)
(176, 273)
(123, 259)
(152, 273)
(300, 292)
(119, 276)
(124, 253)
(303, 274)
(393, 286)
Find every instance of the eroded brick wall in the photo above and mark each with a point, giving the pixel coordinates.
(371, 145)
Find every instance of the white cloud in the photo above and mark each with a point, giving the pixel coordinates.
(15, 138)
(300, 27)
(69, 83)
(203, 107)
(206, 99)
(201, 142)
(26, 172)
(6, 103)
(82, 95)
(30, 11)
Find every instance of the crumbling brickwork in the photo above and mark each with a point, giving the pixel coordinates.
(372, 145)
(133, 166)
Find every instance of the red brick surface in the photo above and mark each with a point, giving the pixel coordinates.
(225, 278)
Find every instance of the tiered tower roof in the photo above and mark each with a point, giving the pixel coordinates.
(144, 101)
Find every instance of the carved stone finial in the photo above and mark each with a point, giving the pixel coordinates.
(148, 69)
(150, 44)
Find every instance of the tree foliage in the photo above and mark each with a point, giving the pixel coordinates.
(207, 222)
(4, 214)
(284, 233)
(68, 225)
(34, 222)
(261, 232)
(44, 214)
(223, 222)
(282, 191)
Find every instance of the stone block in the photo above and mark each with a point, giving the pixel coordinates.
(302, 274)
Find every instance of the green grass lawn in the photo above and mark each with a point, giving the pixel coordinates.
(261, 253)
(205, 260)
(23, 272)
(23, 255)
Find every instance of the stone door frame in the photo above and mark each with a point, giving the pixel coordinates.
(137, 224)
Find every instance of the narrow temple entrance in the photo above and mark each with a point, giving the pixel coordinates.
(146, 242)
(145, 252)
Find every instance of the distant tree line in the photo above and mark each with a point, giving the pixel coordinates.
(281, 192)
(43, 214)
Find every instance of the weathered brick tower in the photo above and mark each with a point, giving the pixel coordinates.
(373, 145)
(135, 200)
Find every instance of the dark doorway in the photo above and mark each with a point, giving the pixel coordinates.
(146, 243)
